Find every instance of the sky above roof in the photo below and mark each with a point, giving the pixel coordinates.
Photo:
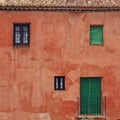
(64, 3)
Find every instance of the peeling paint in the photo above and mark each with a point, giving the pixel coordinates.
(44, 116)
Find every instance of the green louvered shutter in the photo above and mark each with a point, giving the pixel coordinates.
(90, 95)
(96, 35)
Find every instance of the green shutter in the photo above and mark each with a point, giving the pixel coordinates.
(96, 35)
(90, 95)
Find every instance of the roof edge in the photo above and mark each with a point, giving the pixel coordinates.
(58, 8)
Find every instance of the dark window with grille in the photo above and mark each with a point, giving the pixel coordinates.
(59, 83)
(22, 34)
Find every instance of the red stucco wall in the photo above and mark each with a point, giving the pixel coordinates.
(59, 45)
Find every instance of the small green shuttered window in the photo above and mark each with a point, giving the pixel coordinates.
(96, 35)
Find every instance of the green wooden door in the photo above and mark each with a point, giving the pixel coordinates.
(90, 95)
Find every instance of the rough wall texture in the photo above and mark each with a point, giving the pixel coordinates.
(59, 45)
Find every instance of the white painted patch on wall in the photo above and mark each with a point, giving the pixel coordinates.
(44, 116)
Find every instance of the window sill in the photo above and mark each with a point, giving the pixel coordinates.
(96, 44)
(91, 116)
(27, 45)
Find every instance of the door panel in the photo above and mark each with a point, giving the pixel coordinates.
(90, 95)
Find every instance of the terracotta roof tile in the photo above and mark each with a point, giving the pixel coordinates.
(80, 3)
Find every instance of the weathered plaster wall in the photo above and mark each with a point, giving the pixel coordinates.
(59, 45)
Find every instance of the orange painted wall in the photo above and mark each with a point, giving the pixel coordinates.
(59, 45)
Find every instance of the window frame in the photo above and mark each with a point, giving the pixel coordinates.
(96, 44)
(59, 83)
(21, 25)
